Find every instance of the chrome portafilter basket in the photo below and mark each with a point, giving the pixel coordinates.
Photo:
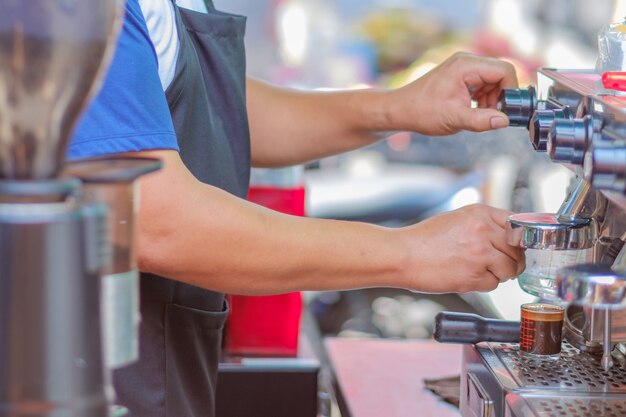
(549, 245)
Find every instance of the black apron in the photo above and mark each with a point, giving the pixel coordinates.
(181, 328)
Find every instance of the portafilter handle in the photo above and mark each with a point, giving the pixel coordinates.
(452, 327)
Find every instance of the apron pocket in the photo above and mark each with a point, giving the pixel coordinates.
(192, 344)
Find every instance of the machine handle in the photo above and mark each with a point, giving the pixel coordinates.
(453, 327)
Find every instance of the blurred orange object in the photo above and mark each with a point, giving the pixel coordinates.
(268, 325)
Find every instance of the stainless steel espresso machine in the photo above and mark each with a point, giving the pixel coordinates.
(575, 257)
(68, 296)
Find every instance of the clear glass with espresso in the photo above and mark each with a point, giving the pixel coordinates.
(541, 331)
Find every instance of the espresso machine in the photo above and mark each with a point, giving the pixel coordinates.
(575, 257)
(68, 282)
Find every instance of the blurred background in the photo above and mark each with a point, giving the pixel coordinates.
(329, 44)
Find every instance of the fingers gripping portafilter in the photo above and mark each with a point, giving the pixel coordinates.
(574, 257)
(56, 233)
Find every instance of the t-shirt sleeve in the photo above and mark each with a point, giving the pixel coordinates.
(130, 112)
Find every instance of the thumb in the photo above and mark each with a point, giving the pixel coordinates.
(480, 120)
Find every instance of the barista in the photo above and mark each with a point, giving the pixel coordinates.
(197, 236)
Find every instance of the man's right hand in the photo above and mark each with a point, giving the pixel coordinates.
(460, 251)
(203, 236)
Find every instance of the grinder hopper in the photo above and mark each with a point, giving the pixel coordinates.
(51, 55)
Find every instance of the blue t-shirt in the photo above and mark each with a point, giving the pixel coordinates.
(130, 112)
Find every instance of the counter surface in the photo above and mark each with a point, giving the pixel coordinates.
(377, 377)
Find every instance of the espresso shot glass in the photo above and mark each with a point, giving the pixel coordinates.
(541, 331)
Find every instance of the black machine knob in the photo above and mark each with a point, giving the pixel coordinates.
(453, 327)
(605, 163)
(518, 104)
(568, 139)
(541, 123)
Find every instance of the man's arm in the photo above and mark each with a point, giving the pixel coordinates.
(289, 126)
(203, 236)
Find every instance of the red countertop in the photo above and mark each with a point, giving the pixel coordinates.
(377, 377)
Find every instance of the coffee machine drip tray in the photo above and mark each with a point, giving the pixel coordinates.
(565, 406)
(496, 380)
(573, 371)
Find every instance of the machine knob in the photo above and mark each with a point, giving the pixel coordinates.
(568, 140)
(541, 123)
(519, 104)
(605, 164)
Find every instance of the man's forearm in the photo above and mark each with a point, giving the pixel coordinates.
(203, 236)
(290, 127)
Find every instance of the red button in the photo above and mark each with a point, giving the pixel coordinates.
(614, 80)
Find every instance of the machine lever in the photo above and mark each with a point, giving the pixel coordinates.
(451, 327)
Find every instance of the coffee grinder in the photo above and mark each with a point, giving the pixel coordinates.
(53, 245)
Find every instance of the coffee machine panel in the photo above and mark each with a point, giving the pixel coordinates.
(575, 257)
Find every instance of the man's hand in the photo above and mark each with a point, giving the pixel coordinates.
(440, 102)
(315, 124)
(462, 250)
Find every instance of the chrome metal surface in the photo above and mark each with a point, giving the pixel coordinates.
(582, 203)
(574, 326)
(541, 124)
(111, 170)
(536, 405)
(44, 191)
(52, 244)
(568, 139)
(502, 372)
(519, 104)
(544, 231)
(574, 371)
(594, 324)
(592, 285)
(607, 360)
(50, 311)
(51, 54)
(605, 165)
(482, 403)
(584, 327)
(110, 181)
